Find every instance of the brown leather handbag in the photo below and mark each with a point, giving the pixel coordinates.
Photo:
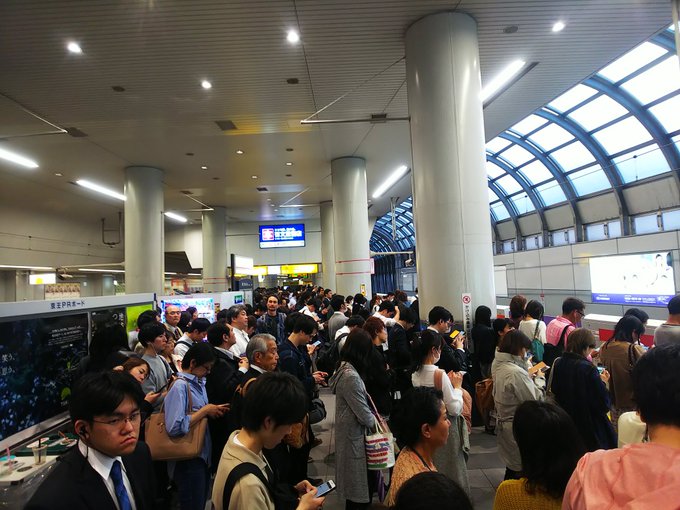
(164, 447)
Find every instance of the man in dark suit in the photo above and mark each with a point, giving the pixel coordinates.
(109, 469)
(221, 383)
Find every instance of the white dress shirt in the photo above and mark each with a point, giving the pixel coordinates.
(242, 339)
(102, 464)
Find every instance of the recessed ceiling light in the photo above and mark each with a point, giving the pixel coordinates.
(293, 37)
(502, 78)
(18, 159)
(39, 268)
(269, 200)
(390, 181)
(100, 189)
(59, 174)
(253, 176)
(204, 167)
(176, 217)
(289, 163)
(272, 205)
(206, 84)
(239, 151)
(558, 27)
(90, 270)
(276, 210)
(74, 47)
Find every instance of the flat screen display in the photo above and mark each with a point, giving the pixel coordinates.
(641, 279)
(39, 359)
(282, 236)
(205, 307)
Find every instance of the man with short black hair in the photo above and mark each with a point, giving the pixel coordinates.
(573, 310)
(388, 313)
(195, 333)
(272, 322)
(109, 468)
(338, 319)
(355, 321)
(272, 404)
(599, 480)
(669, 332)
(453, 356)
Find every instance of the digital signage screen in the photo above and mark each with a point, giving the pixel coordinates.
(641, 279)
(282, 236)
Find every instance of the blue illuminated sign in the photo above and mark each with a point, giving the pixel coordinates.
(282, 236)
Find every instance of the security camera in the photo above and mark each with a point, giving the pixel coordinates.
(409, 262)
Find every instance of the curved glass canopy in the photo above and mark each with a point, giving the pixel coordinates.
(618, 128)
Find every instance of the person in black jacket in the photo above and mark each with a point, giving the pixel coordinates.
(453, 356)
(399, 351)
(378, 377)
(293, 360)
(221, 383)
(580, 390)
(484, 340)
(105, 412)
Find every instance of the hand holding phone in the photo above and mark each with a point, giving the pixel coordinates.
(325, 488)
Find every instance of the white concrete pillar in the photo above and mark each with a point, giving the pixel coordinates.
(144, 230)
(450, 197)
(215, 250)
(350, 226)
(328, 246)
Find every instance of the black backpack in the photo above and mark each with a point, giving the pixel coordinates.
(329, 355)
(284, 496)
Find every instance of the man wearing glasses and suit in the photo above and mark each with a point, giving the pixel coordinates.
(108, 469)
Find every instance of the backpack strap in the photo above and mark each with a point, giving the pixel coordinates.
(243, 469)
(183, 342)
(560, 342)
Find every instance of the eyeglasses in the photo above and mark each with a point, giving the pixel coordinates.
(133, 418)
(581, 313)
(173, 313)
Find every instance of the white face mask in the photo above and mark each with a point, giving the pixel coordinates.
(437, 355)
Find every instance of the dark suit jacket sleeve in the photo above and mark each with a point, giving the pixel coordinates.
(399, 351)
(290, 362)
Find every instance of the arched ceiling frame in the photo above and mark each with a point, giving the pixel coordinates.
(601, 158)
(381, 238)
(663, 140)
(512, 211)
(536, 200)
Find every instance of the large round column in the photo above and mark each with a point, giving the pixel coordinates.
(350, 226)
(144, 232)
(215, 250)
(450, 196)
(328, 246)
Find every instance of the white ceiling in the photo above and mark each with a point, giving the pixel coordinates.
(160, 51)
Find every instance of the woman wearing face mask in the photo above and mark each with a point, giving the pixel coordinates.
(451, 458)
(512, 385)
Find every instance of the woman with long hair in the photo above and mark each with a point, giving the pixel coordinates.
(353, 417)
(484, 340)
(450, 460)
(512, 385)
(619, 355)
(581, 391)
(421, 425)
(545, 472)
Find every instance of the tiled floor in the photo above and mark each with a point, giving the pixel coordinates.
(485, 468)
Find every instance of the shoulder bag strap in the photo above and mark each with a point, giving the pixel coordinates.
(538, 323)
(243, 469)
(548, 389)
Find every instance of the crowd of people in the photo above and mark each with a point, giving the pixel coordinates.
(558, 405)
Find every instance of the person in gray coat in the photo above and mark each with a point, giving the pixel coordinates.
(353, 416)
(512, 385)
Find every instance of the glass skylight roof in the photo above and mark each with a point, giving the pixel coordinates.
(632, 61)
(641, 88)
(656, 82)
(598, 112)
(572, 97)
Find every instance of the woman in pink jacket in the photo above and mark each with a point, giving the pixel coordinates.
(638, 476)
